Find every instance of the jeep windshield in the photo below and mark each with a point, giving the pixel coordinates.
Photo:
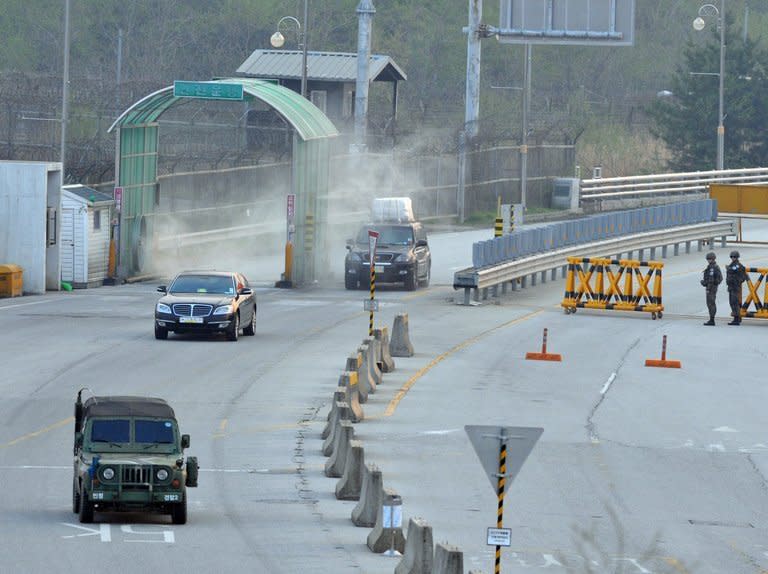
(388, 235)
(109, 435)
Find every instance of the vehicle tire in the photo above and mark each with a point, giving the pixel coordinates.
(250, 328)
(350, 282)
(75, 498)
(234, 329)
(179, 512)
(411, 281)
(160, 332)
(427, 277)
(86, 508)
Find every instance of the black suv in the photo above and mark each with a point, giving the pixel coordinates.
(402, 256)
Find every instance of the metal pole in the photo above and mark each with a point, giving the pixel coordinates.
(365, 11)
(65, 93)
(119, 72)
(721, 115)
(472, 96)
(304, 53)
(500, 495)
(524, 146)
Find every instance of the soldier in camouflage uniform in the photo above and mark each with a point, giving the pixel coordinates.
(711, 278)
(735, 275)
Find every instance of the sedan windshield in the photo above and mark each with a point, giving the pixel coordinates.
(218, 284)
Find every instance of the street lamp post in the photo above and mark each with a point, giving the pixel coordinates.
(711, 11)
(277, 40)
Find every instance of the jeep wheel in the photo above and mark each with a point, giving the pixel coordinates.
(86, 508)
(411, 281)
(179, 513)
(160, 332)
(350, 282)
(234, 329)
(75, 498)
(250, 328)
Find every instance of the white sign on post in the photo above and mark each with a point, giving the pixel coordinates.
(499, 537)
(373, 236)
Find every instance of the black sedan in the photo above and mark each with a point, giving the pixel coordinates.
(206, 302)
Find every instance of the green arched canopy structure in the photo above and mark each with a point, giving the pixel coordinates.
(136, 169)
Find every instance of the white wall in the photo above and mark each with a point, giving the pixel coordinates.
(25, 192)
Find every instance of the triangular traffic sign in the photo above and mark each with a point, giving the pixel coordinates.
(487, 442)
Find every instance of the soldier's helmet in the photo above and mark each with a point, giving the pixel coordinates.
(734, 254)
(711, 256)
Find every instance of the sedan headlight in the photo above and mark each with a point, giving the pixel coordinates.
(223, 310)
(163, 308)
(162, 474)
(108, 473)
(404, 258)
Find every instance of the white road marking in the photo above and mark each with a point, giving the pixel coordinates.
(607, 384)
(166, 533)
(724, 429)
(440, 432)
(104, 531)
(4, 307)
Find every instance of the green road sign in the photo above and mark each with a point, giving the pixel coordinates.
(208, 90)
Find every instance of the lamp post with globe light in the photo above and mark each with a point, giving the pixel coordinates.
(277, 40)
(712, 11)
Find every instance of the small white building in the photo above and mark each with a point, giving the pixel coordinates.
(85, 233)
(30, 199)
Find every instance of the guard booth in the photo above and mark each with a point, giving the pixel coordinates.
(137, 133)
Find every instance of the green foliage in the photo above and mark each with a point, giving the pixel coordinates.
(687, 121)
(575, 90)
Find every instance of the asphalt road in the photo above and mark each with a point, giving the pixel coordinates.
(639, 470)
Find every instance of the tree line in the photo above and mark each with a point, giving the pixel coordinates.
(577, 91)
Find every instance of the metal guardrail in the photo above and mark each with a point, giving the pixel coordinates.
(597, 189)
(525, 242)
(481, 279)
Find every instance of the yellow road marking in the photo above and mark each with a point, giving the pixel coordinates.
(675, 563)
(222, 429)
(37, 433)
(412, 381)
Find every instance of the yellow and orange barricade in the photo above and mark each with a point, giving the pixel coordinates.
(753, 294)
(614, 284)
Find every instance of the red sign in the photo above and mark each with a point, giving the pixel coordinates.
(290, 208)
(118, 198)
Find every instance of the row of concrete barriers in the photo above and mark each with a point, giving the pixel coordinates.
(378, 508)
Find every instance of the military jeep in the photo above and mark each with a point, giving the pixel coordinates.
(129, 457)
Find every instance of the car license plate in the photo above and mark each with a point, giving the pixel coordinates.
(171, 498)
(190, 319)
(378, 268)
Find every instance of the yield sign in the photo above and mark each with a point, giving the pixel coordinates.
(487, 442)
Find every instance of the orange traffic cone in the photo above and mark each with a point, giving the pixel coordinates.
(543, 356)
(663, 362)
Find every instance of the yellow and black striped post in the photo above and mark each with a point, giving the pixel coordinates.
(373, 294)
(500, 508)
(498, 227)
